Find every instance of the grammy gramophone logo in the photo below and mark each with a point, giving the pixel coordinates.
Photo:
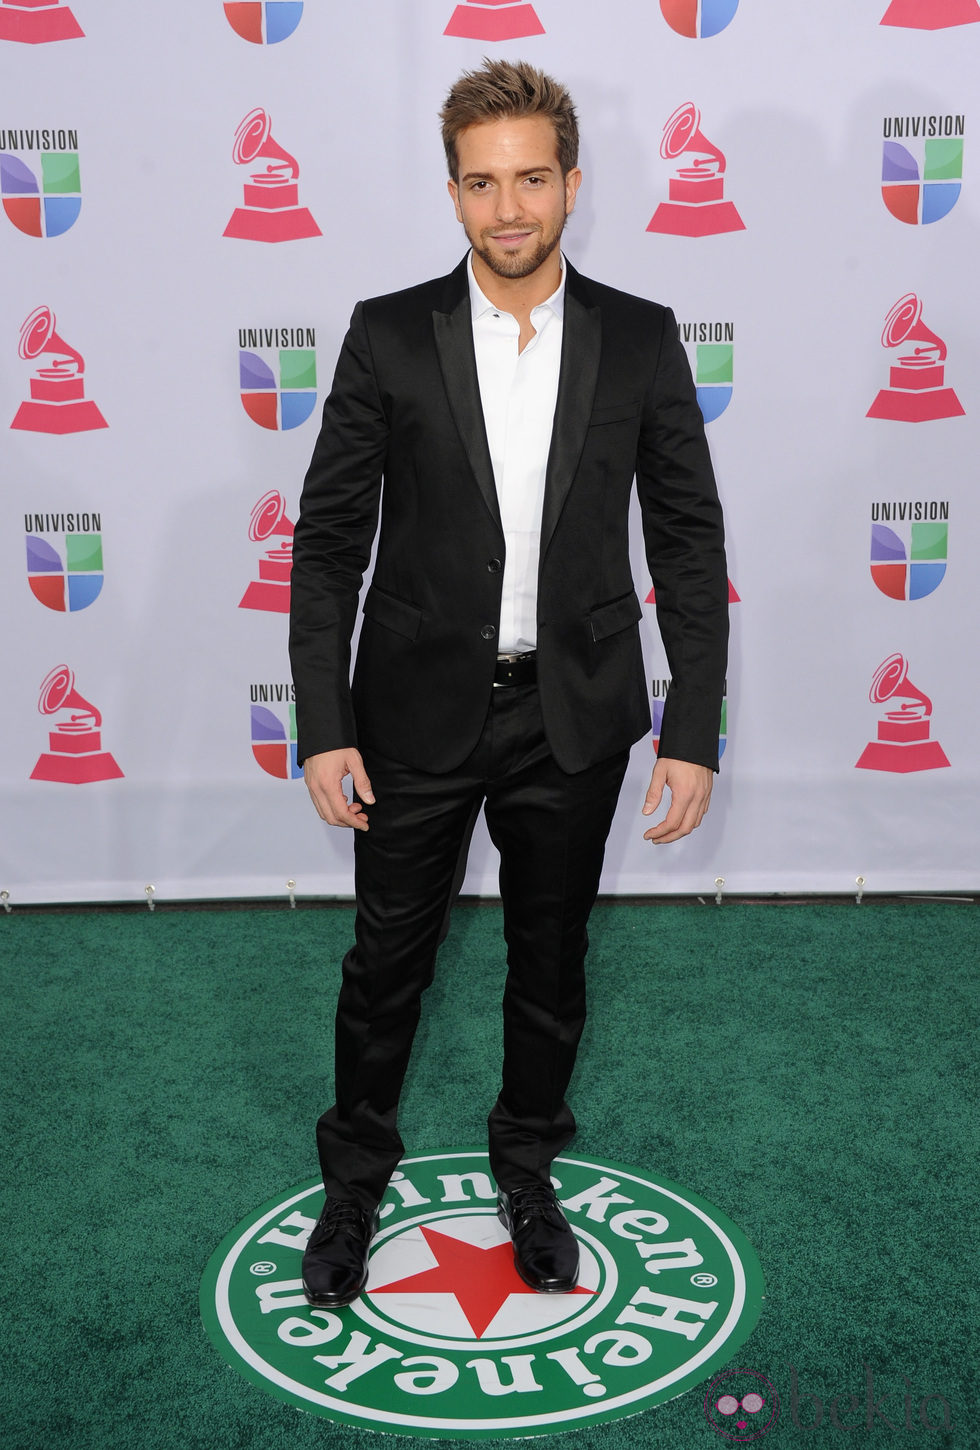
(271, 211)
(74, 755)
(264, 22)
(931, 14)
(903, 741)
(57, 403)
(494, 20)
(696, 206)
(34, 22)
(269, 524)
(698, 19)
(916, 389)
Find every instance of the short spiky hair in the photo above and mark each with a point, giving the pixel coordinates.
(502, 90)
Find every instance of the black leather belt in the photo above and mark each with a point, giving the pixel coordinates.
(516, 670)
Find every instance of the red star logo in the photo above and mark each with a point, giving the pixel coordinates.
(481, 1279)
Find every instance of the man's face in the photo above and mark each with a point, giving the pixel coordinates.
(511, 196)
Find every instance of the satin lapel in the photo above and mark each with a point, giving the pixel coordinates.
(454, 344)
(581, 342)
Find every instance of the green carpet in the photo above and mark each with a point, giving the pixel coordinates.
(808, 1068)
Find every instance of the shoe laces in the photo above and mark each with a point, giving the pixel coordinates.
(538, 1201)
(340, 1216)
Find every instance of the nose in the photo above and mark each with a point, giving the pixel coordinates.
(508, 203)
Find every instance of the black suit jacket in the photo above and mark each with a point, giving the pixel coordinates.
(405, 408)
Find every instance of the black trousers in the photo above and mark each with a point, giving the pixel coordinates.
(550, 829)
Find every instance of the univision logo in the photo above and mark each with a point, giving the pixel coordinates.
(698, 19)
(65, 575)
(274, 737)
(42, 195)
(448, 1342)
(908, 553)
(264, 22)
(277, 375)
(921, 181)
(714, 357)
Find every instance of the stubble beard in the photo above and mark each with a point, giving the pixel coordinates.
(511, 264)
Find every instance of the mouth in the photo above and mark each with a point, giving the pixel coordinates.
(510, 239)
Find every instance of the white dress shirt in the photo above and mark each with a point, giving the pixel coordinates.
(518, 391)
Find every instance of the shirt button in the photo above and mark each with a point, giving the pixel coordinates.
(494, 566)
(488, 632)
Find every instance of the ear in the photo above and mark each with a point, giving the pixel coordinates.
(454, 193)
(572, 183)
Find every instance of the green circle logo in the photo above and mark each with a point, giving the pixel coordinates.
(448, 1342)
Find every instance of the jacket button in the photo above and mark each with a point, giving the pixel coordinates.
(494, 566)
(488, 632)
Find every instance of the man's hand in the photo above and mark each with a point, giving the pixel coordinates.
(690, 791)
(324, 773)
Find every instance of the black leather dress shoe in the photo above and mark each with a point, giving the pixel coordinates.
(545, 1250)
(335, 1262)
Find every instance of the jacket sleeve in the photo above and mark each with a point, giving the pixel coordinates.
(337, 522)
(685, 547)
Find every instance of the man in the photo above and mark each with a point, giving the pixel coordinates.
(506, 408)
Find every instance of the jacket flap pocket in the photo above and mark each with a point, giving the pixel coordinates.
(617, 413)
(618, 614)
(394, 614)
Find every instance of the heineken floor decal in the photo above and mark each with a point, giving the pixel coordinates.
(448, 1342)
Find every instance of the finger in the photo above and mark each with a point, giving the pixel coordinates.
(362, 784)
(683, 817)
(653, 798)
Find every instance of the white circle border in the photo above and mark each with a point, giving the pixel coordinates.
(393, 1417)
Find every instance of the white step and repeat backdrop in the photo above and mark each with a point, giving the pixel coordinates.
(194, 196)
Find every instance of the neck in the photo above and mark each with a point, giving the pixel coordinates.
(518, 295)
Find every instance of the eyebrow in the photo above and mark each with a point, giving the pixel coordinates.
(490, 175)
